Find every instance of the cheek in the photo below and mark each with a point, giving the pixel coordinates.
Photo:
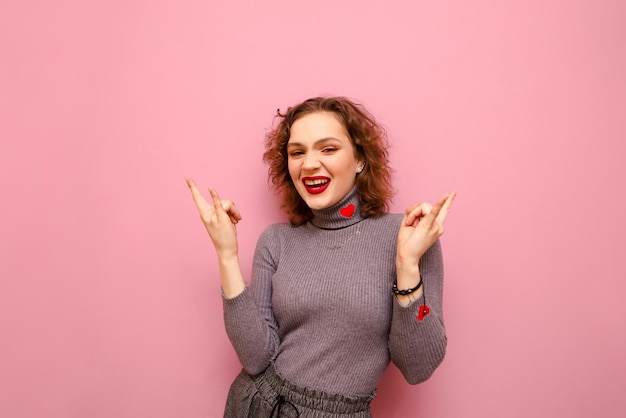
(347, 166)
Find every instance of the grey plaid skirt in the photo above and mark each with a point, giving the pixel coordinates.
(269, 395)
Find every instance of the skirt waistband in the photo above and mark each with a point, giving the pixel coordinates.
(272, 387)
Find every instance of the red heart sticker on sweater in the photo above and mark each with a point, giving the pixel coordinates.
(422, 312)
(348, 211)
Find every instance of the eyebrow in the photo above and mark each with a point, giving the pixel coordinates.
(322, 140)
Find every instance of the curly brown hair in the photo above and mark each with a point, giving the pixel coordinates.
(370, 142)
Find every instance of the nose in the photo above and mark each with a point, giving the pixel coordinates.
(310, 162)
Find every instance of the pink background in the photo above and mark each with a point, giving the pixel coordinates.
(109, 300)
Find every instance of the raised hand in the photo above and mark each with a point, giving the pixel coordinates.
(219, 219)
(421, 227)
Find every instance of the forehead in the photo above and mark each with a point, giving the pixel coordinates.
(318, 125)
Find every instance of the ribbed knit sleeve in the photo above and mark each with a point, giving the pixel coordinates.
(248, 317)
(418, 347)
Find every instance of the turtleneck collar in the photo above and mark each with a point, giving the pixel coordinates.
(342, 214)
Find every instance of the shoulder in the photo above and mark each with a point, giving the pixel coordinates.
(382, 229)
(276, 238)
(392, 217)
(386, 220)
(275, 233)
(277, 229)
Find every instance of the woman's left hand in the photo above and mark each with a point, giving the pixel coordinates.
(421, 227)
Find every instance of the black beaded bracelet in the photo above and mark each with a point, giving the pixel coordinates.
(396, 291)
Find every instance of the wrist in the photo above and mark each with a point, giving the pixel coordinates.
(407, 279)
(228, 259)
(227, 255)
(407, 296)
(403, 260)
(407, 273)
(231, 277)
(406, 300)
(404, 292)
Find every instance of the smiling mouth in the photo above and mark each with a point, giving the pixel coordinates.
(316, 185)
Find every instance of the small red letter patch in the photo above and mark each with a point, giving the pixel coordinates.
(422, 312)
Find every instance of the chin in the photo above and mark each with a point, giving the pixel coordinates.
(317, 202)
(316, 205)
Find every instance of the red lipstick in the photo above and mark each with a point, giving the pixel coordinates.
(315, 185)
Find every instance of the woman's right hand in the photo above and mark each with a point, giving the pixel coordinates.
(219, 220)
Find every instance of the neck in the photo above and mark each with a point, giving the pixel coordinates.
(342, 214)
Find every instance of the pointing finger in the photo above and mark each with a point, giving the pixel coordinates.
(192, 186)
(201, 203)
(443, 214)
(217, 203)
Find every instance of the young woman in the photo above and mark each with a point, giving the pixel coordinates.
(341, 290)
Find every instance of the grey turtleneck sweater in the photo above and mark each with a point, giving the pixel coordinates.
(320, 304)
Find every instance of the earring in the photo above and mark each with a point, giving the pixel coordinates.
(360, 168)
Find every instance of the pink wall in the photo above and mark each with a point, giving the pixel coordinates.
(108, 297)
